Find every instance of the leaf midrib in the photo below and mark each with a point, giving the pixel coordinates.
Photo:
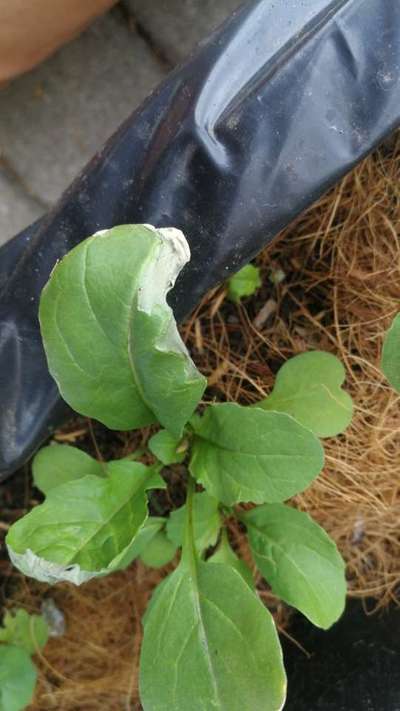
(250, 454)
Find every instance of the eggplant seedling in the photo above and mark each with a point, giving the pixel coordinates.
(115, 352)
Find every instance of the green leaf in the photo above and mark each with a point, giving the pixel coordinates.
(159, 551)
(59, 463)
(299, 560)
(149, 529)
(206, 519)
(247, 454)
(244, 283)
(110, 337)
(24, 630)
(17, 678)
(85, 527)
(308, 387)
(209, 643)
(390, 362)
(164, 446)
(225, 554)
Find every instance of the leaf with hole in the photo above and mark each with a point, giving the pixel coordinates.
(248, 454)
(110, 337)
(244, 283)
(21, 629)
(299, 560)
(17, 678)
(390, 362)
(165, 447)
(85, 527)
(308, 387)
(60, 463)
(206, 521)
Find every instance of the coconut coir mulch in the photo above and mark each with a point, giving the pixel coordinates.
(332, 282)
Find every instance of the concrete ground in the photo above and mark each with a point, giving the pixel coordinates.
(55, 117)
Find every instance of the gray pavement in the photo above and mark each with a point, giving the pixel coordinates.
(53, 119)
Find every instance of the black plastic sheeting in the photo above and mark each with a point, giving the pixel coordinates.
(352, 667)
(280, 102)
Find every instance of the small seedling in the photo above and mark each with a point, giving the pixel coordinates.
(21, 635)
(244, 283)
(390, 362)
(113, 347)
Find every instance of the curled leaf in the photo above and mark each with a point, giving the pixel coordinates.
(110, 337)
(85, 527)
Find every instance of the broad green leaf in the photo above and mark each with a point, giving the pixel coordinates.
(225, 554)
(150, 528)
(59, 463)
(299, 560)
(209, 643)
(17, 678)
(247, 454)
(206, 520)
(164, 446)
(85, 527)
(24, 630)
(244, 283)
(159, 551)
(308, 387)
(110, 337)
(390, 362)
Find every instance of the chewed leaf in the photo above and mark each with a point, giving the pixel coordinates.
(244, 283)
(110, 337)
(85, 527)
(391, 354)
(59, 463)
(308, 387)
(206, 522)
(247, 454)
(299, 560)
(17, 678)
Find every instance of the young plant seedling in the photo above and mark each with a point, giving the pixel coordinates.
(113, 348)
(244, 283)
(21, 635)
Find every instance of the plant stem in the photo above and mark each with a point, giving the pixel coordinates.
(188, 548)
